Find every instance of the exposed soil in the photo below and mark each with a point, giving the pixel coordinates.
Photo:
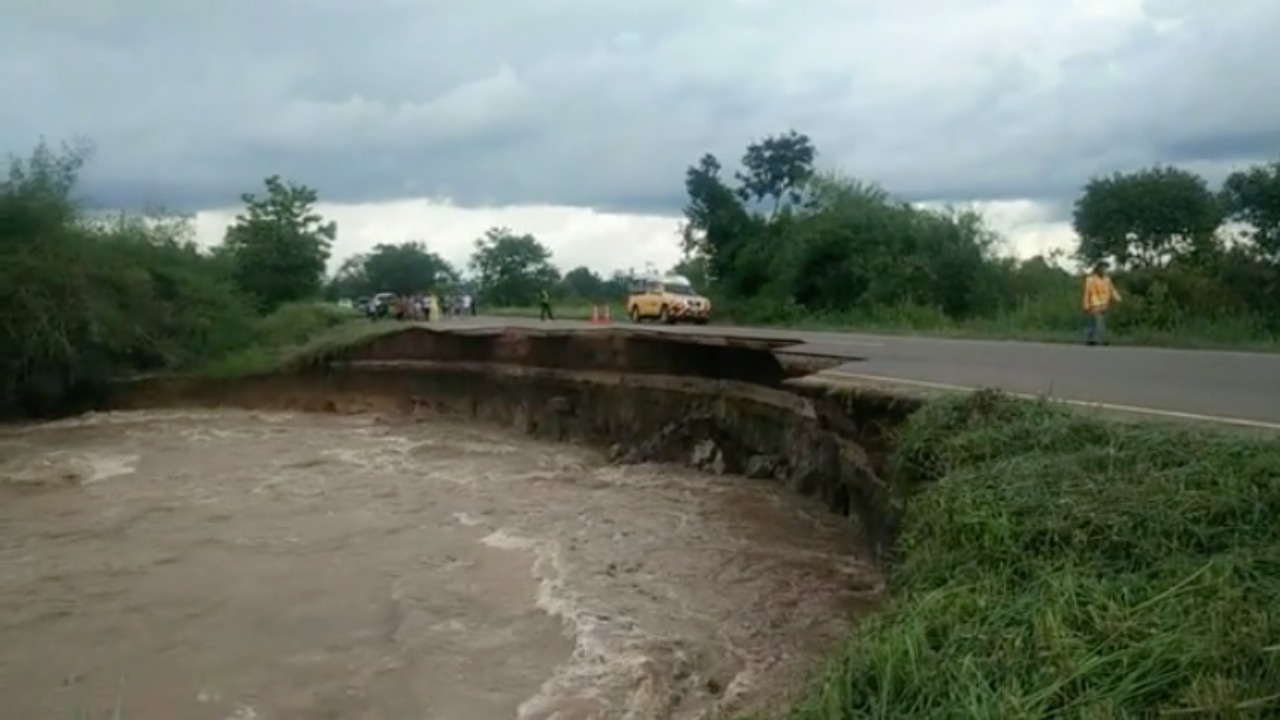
(825, 445)
(684, 594)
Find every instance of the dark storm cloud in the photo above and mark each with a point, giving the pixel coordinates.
(605, 104)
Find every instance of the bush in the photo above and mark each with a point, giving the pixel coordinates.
(84, 299)
(1056, 565)
(295, 323)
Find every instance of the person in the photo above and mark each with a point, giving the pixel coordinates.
(433, 307)
(465, 307)
(1099, 293)
(544, 300)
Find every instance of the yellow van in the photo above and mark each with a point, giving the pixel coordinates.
(667, 298)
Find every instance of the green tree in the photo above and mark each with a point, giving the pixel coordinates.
(1147, 218)
(583, 283)
(280, 244)
(1252, 197)
(717, 226)
(84, 297)
(404, 268)
(512, 268)
(694, 269)
(826, 243)
(853, 247)
(617, 285)
(776, 170)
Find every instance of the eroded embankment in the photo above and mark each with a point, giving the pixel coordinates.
(713, 403)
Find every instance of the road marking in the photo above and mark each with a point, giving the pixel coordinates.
(1175, 414)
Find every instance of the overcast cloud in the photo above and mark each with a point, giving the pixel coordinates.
(604, 103)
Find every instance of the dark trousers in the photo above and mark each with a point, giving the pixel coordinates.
(544, 312)
(1095, 330)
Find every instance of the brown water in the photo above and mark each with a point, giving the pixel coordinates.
(233, 565)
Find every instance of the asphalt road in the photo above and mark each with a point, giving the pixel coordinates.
(1238, 388)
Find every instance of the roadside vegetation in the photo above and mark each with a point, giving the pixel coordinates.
(1052, 564)
(1059, 565)
(785, 243)
(85, 296)
(780, 242)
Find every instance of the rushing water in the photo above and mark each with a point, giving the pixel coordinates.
(233, 565)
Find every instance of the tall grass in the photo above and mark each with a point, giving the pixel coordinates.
(293, 329)
(1041, 318)
(1054, 565)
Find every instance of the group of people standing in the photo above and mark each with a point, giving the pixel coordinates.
(422, 306)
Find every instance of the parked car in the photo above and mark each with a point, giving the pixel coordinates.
(667, 298)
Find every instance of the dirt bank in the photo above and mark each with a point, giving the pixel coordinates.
(719, 405)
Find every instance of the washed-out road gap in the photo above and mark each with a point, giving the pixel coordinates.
(1236, 388)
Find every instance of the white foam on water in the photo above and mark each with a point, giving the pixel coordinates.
(379, 452)
(466, 519)
(61, 467)
(115, 418)
(604, 652)
(106, 466)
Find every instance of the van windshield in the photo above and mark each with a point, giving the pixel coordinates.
(677, 289)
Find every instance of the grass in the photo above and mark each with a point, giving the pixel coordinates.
(1055, 565)
(1051, 564)
(293, 334)
(1040, 321)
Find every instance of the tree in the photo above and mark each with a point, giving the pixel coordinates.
(512, 268)
(1252, 197)
(854, 247)
(777, 169)
(280, 244)
(716, 224)
(85, 297)
(403, 268)
(694, 269)
(1147, 218)
(583, 283)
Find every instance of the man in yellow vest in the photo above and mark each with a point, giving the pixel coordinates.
(1099, 293)
(544, 306)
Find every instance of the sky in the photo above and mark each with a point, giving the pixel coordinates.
(575, 119)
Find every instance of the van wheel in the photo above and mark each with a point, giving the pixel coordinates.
(635, 313)
(664, 315)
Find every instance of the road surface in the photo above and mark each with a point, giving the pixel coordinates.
(1239, 388)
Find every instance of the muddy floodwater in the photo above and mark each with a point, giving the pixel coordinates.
(236, 565)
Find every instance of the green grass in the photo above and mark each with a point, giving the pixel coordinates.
(1056, 565)
(1066, 328)
(293, 334)
(1052, 564)
(1039, 321)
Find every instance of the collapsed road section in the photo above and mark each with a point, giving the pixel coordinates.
(415, 475)
(727, 405)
